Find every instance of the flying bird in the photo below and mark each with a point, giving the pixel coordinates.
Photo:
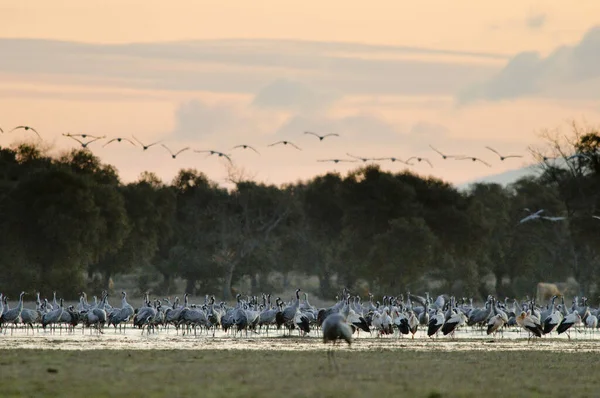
(285, 143)
(83, 135)
(393, 160)
(144, 147)
(419, 159)
(503, 157)
(211, 152)
(579, 155)
(246, 147)
(85, 144)
(27, 128)
(336, 160)
(531, 216)
(443, 155)
(596, 217)
(474, 160)
(119, 139)
(321, 137)
(174, 155)
(1, 131)
(359, 158)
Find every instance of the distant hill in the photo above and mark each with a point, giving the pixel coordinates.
(504, 178)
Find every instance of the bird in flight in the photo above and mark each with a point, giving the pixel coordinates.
(337, 160)
(212, 152)
(537, 215)
(119, 139)
(596, 217)
(1, 131)
(83, 135)
(503, 157)
(285, 143)
(321, 137)
(419, 159)
(144, 147)
(27, 128)
(246, 147)
(174, 155)
(85, 144)
(444, 156)
(474, 160)
(393, 160)
(359, 158)
(579, 155)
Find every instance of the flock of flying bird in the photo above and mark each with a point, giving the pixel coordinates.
(86, 139)
(394, 315)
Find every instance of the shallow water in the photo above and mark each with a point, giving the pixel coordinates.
(466, 339)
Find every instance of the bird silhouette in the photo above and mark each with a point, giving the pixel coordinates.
(246, 147)
(501, 156)
(474, 159)
(213, 152)
(419, 159)
(444, 156)
(579, 155)
(83, 135)
(336, 160)
(144, 147)
(119, 139)
(359, 158)
(85, 144)
(393, 160)
(174, 155)
(1, 131)
(286, 143)
(321, 137)
(27, 128)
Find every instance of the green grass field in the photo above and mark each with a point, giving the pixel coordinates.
(182, 373)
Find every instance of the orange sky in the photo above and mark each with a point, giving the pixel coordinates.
(161, 97)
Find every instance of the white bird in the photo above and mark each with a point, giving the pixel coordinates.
(572, 319)
(532, 216)
(322, 136)
(285, 143)
(596, 217)
(531, 323)
(496, 322)
(501, 156)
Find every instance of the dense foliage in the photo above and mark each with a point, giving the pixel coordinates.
(63, 220)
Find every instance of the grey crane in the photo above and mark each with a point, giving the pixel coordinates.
(13, 315)
(26, 128)
(53, 316)
(335, 329)
(502, 157)
(117, 316)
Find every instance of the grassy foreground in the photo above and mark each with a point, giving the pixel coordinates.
(179, 373)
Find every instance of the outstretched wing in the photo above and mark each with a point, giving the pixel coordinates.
(181, 150)
(275, 143)
(493, 150)
(484, 162)
(167, 148)
(431, 146)
(311, 133)
(76, 139)
(427, 160)
(114, 139)
(294, 145)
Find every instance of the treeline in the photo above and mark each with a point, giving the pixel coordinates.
(65, 219)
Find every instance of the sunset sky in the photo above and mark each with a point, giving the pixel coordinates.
(390, 77)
